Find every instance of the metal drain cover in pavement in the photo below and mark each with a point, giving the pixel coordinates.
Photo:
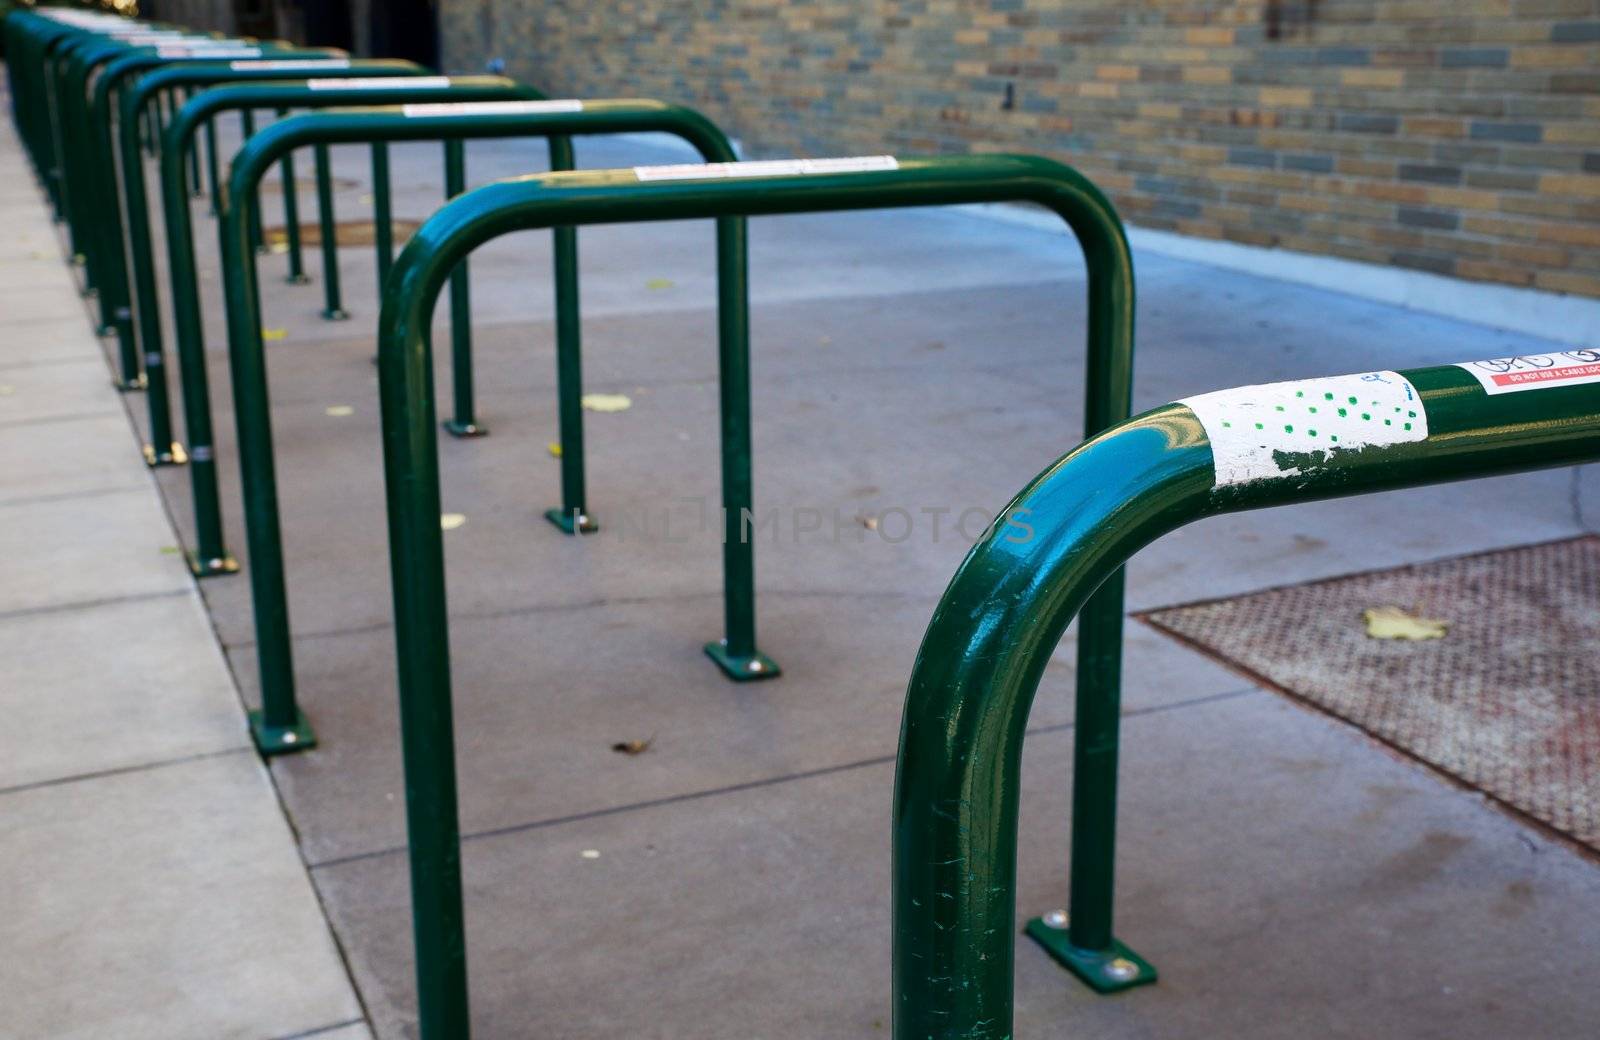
(1508, 702)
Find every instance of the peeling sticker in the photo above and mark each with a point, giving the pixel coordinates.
(772, 168)
(291, 64)
(492, 108)
(1508, 375)
(1263, 432)
(380, 83)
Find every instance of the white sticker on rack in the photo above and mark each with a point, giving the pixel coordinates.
(291, 64)
(381, 83)
(1508, 375)
(208, 53)
(1255, 431)
(768, 168)
(492, 108)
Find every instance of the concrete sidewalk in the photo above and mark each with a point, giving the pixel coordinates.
(150, 886)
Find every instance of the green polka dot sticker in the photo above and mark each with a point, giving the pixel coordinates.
(1251, 428)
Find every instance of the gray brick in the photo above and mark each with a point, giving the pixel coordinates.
(1344, 56)
(1362, 123)
(1575, 32)
(1474, 57)
(1425, 262)
(1309, 163)
(1430, 174)
(1591, 162)
(1252, 157)
(1524, 133)
(1412, 216)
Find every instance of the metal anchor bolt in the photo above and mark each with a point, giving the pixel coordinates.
(1054, 918)
(1122, 969)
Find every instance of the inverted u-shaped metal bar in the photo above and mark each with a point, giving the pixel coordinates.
(956, 783)
(615, 196)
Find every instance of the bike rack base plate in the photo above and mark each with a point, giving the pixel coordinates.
(743, 667)
(173, 456)
(282, 740)
(224, 564)
(1104, 971)
(466, 430)
(572, 523)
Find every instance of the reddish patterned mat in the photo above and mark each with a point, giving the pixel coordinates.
(1507, 702)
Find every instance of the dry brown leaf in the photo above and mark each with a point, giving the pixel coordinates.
(1397, 623)
(634, 747)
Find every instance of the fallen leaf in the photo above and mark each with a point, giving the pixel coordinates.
(869, 522)
(366, 200)
(825, 340)
(271, 335)
(278, 248)
(607, 402)
(6, 389)
(339, 411)
(590, 853)
(634, 747)
(1396, 623)
(170, 550)
(451, 521)
(658, 283)
(554, 448)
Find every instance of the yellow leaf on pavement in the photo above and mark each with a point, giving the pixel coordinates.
(1395, 623)
(607, 402)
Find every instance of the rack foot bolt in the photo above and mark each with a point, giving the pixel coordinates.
(466, 430)
(224, 564)
(173, 456)
(742, 668)
(336, 314)
(1104, 971)
(282, 740)
(574, 522)
(130, 386)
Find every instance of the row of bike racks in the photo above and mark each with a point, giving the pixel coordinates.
(90, 92)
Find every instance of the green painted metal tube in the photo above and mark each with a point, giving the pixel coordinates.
(464, 424)
(291, 216)
(556, 120)
(247, 130)
(956, 787)
(411, 449)
(382, 212)
(98, 157)
(161, 449)
(328, 225)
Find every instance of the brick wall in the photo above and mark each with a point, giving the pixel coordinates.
(1455, 136)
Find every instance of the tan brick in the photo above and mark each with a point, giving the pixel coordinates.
(1564, 56)
(1533, 255)
(1434, 126)
(1585, 133)
(1286, 97)
(1118, 73)
(1581, 185)
(1569, 282)
(1164, 110)
(1387, 78)
(1208, 36)
(1098, 90)
(972, 37)
(1488, 271)
(1571, 234)
(1213, 74)
(1463, 198)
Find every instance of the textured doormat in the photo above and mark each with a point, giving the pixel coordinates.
(1507, 702)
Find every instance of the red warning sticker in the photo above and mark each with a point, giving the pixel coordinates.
(1536, 371)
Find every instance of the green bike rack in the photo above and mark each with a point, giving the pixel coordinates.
(210, 555)
(101, 158)
(956, 784)
(161, 449)
(280, 726)
(672, 193)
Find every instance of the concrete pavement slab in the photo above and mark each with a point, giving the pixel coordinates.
(69, 456)
(169, 695)
(50, 391)
(67, 551)
(174, 888)
(1272, 884)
